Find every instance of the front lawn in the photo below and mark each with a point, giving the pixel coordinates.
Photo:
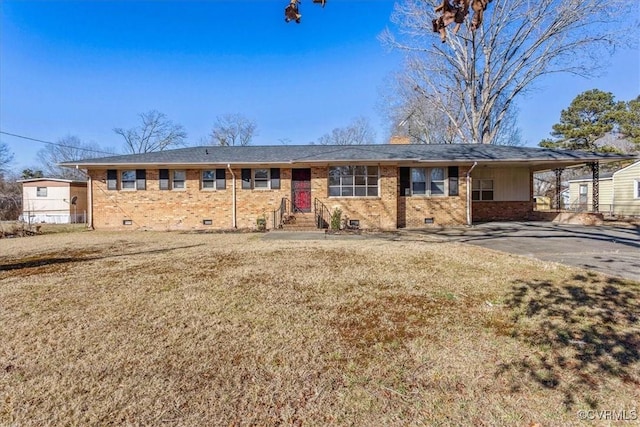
(227, 329)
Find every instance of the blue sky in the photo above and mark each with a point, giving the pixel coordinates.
(84, 67)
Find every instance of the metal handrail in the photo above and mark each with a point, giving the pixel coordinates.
(322, 214)
(278, 214)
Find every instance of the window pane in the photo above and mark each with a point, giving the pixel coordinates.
(208, 175)
(437, 188)
(361, 180)
(475, 195)
(128, 185)
(418, 175)
(347, 191)
(347, 180)
(334, 176)
(260, 184)
(261, 174)
(419, 188)
(487, 195)
(360, 170)
(372, 191)
(179, 178)
(334, 191)
(487, 184)
(41, 192)
(128, 175)
(361, 191)
(208, 184)
(372, 170)
(437, 174)
(164, 184)
(475, 184)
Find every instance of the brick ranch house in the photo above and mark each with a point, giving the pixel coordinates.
(376, 186)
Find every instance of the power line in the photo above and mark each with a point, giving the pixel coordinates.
(57, 144)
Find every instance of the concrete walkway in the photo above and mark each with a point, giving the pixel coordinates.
(614, 251)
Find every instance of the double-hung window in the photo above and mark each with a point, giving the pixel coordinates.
(41, 192)
(583, 194)
(636, 193)
(179, 180)
(128, 180)
(132, 180)
(261, 179)
(209, 180)
(213, 179)
(428, 181)
(353, 181)
(482, 189)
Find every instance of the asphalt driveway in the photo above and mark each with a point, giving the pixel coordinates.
(614, 251)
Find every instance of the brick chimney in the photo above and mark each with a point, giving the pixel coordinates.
(399, 140)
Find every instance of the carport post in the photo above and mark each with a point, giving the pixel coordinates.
(595, 171)
(558, 187)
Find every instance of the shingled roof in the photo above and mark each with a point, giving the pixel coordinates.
(324, 154)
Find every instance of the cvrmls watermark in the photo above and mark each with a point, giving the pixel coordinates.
(608, 415)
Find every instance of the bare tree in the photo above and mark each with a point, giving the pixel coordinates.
(6, 157)
(358, 132)
(233, 129)
(66, 149)
(10, 197)
(475, 78)
(155, 133)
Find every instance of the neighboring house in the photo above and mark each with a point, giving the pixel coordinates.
(376, 186)
(619, 192)
(52, 200)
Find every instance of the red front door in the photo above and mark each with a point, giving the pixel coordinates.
(301, 190)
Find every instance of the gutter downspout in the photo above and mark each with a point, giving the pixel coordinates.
(89, 217)
(90, 203)
(469, 193)
(233, 201)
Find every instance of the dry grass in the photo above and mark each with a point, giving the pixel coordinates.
(228, 329)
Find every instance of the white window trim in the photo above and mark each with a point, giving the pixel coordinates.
(134, 181)
(427, 175)
(253, 179)
(202, 187)
(636, 188)
(377, 184)
(172, 181)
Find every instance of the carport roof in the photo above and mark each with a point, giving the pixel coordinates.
(537, 158)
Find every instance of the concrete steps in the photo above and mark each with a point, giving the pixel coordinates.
(300, 222)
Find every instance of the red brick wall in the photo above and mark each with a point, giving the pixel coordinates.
(501, 211)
